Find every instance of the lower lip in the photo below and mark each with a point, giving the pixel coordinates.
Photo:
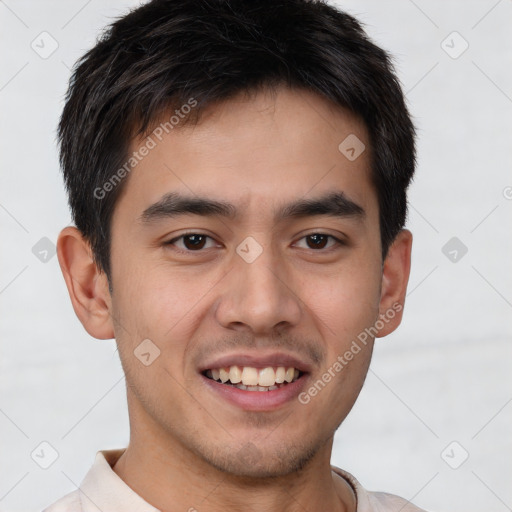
(257, 400)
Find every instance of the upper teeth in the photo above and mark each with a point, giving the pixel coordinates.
(250, 376)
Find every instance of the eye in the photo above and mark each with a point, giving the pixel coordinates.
(191, 242)
(317, 241)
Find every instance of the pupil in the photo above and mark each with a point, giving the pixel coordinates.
(318, 240)
(196, 241)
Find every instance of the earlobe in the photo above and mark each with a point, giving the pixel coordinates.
(87, 285)
(395, 276)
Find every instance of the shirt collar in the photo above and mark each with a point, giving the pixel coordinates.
(102, 490)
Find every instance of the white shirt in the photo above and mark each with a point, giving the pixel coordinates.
(102, 490)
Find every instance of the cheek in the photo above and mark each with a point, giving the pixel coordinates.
(345, 301)
(151, 334)
(147, 291)
(161, 304)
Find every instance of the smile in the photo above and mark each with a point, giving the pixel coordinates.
(248, 378)
(249, 388)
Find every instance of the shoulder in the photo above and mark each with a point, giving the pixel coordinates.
(369, 501)
(69, 503)
(384, 502)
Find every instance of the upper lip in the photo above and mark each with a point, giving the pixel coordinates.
(273, 359)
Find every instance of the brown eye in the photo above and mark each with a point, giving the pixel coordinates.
(317, 241)
(192, 242)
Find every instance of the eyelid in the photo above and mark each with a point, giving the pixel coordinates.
(338, 241)
(173, 240)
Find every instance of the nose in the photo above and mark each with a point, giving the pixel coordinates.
(259, 296)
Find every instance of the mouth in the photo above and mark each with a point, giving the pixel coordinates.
(249, 378)
(256, 384)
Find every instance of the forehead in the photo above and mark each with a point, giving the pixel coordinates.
(254, 152)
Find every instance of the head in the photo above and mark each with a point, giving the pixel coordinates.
(237, 174)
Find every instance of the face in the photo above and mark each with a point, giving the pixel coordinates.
(248, 248)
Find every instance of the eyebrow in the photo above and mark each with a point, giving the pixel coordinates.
(173, 204)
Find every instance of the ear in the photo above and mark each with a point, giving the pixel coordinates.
(87, 285)
(395, 276)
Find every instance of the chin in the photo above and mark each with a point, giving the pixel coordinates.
(261, 462)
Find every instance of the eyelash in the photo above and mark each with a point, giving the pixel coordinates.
(337, 241)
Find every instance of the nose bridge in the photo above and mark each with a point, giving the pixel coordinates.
(256, 293)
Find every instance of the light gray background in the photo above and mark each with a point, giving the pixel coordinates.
(444, 376)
